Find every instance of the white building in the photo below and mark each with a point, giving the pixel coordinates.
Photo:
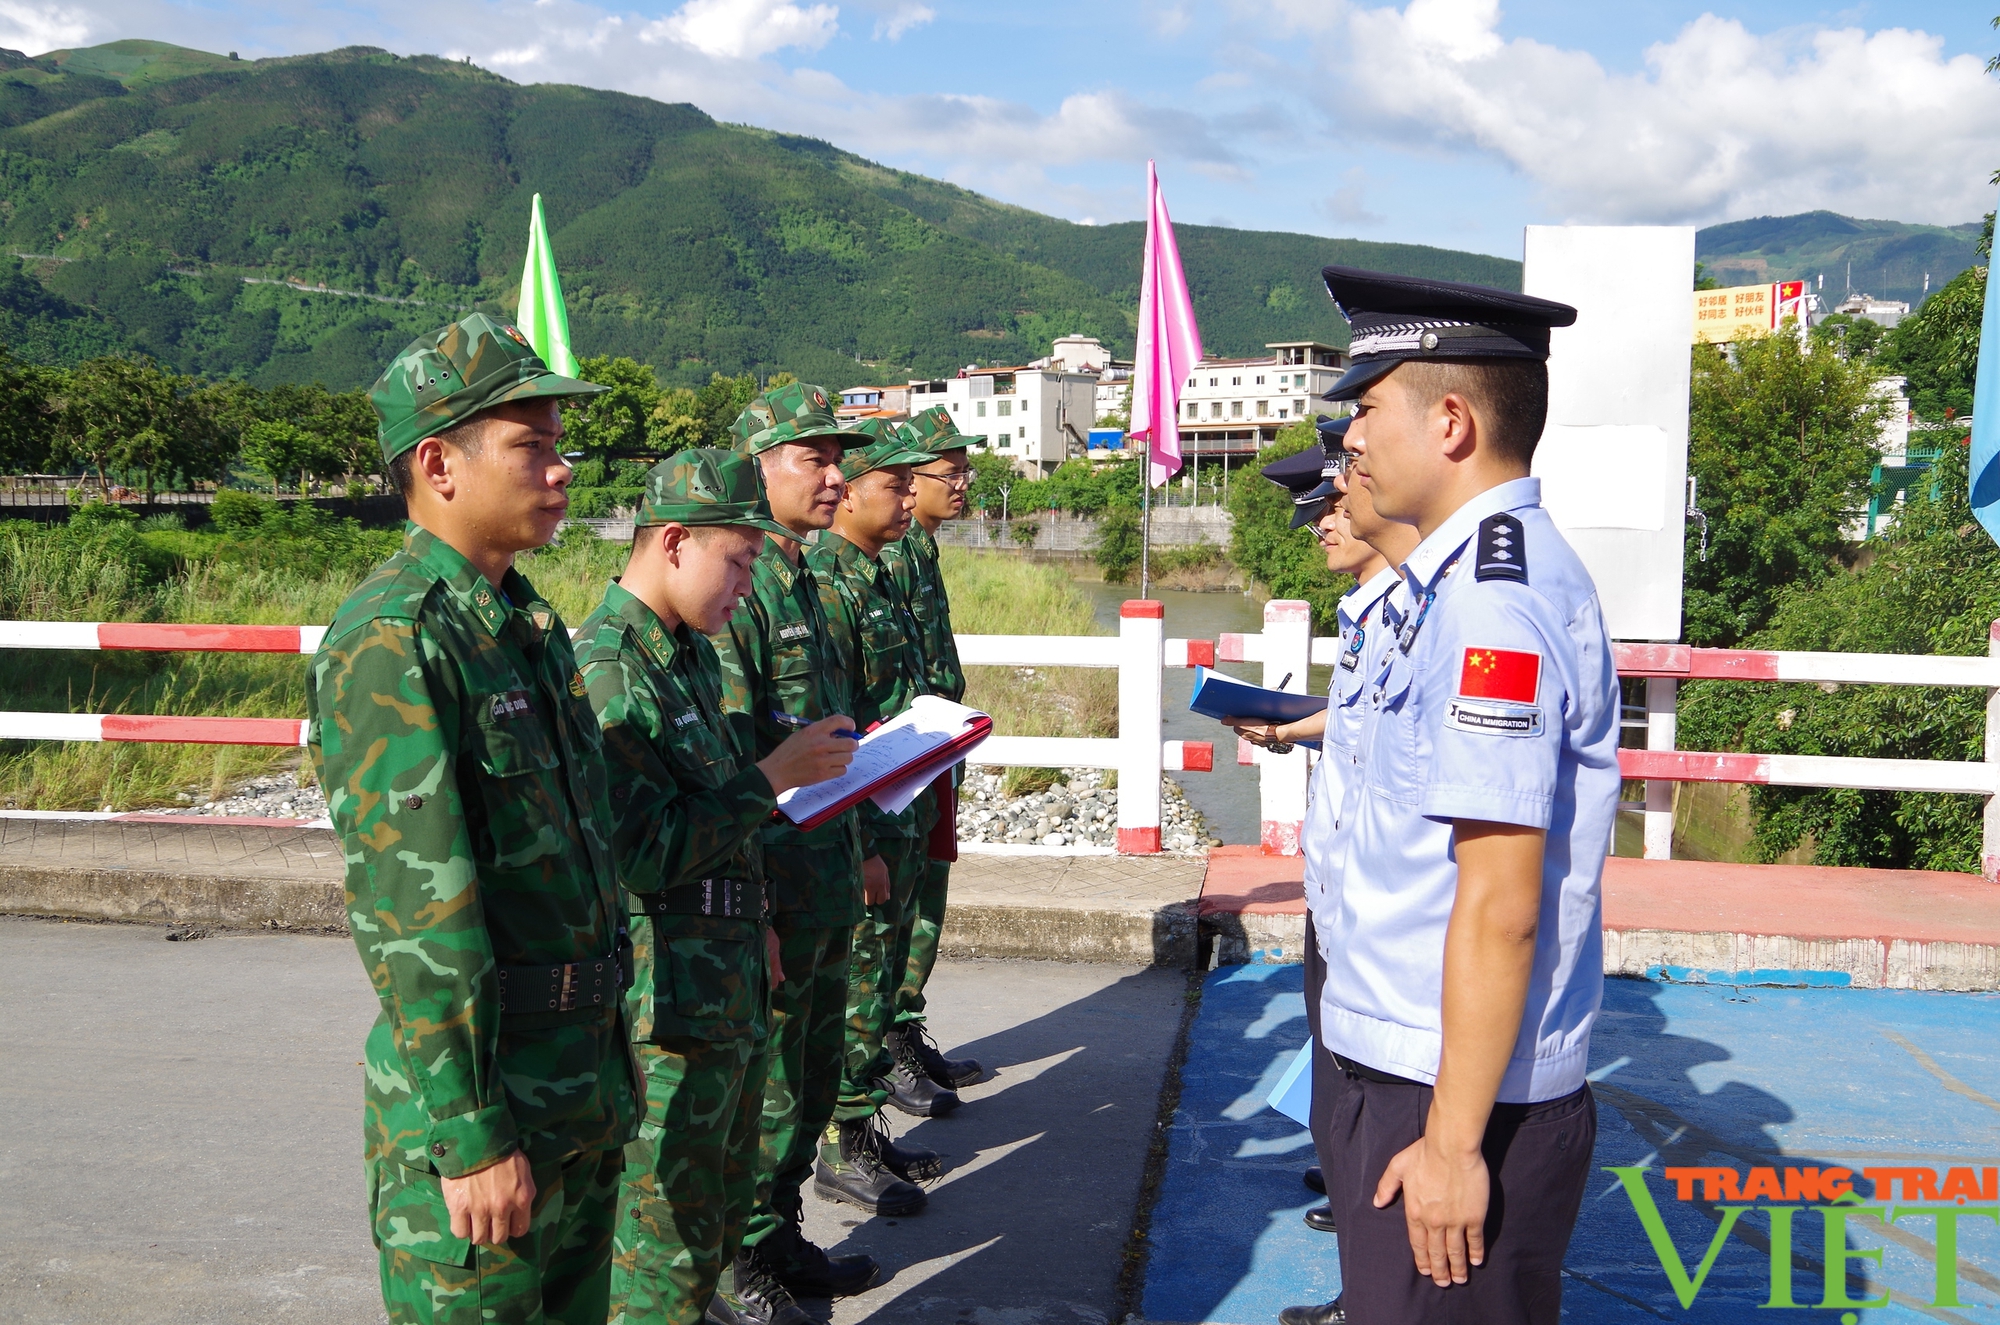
(1885, 312)
(1038, 417)
(1087, 354)
(1236, 406)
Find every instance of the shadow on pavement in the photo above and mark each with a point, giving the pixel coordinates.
(1045, 1159)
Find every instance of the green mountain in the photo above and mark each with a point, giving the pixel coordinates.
(183, 199)
(1888, 259)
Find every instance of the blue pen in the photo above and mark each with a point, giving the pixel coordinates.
(796, 722)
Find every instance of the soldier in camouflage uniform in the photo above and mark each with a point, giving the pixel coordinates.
(780, 673)
(912, 560)
(876, 637)
(463, 770)
(688, 810)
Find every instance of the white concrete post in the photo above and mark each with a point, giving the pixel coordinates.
(1662, 693)
(1281, 781)
(1989, 846)
(1142, 640)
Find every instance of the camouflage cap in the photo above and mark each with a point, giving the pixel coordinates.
(934, 433)
(789, 413)
(708, 486)
(451, 374)
(885, 447)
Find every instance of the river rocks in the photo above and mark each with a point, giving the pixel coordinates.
(278, 796)
(1077, 811)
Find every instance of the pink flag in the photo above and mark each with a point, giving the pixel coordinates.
(1169, 341)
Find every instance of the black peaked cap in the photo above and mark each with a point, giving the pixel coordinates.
(1300, 475)
(1396, 319)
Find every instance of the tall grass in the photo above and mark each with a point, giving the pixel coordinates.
(992, 594)
(297, 572)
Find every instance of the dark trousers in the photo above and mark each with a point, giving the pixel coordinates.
(1538, 1159)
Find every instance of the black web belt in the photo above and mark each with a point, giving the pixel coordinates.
(587, 985)
(740, 899)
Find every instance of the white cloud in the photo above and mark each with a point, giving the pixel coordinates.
(746, 29)
(906, 18)
(35, 29)
(1721, 123)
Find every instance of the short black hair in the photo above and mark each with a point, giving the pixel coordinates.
(467, 437)
(1509, 396)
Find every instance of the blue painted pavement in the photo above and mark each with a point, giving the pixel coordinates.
(1686, 1076)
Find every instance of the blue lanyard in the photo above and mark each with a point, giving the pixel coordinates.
(1415, 624)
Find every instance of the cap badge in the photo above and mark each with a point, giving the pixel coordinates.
(1430, 340)
(515, 332)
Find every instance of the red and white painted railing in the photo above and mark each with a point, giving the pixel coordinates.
(1138, 651)
(1286, 648)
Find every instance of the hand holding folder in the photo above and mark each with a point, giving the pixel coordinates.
(895, 762)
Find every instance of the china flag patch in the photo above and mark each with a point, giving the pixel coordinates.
(1500, 674)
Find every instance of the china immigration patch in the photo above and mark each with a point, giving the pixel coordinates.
(1506, 674)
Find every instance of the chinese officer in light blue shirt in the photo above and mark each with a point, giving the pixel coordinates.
(1464, 938)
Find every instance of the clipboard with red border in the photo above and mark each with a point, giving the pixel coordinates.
(936, 756)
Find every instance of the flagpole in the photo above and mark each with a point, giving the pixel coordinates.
(1145, 515)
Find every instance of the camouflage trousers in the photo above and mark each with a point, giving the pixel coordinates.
(556, 1273)
(874, 975)
(804, 1055)
(926, 926)
(690, 1178)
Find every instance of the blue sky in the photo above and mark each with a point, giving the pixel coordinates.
(1449, 122)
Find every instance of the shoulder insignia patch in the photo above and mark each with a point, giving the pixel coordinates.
(1501, 554)
(576, 685)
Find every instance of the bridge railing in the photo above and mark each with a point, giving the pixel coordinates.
(1286, 647)
(1138, 652)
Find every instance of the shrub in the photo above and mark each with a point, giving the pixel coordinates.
(1117, 547)
(235, 512)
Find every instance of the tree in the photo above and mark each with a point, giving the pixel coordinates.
(615, 422)
(1781, 447)
(1287, 561)
(126, 415)
(27, 424)
(1933, 586)
(279, 448)
(1849, 336)
(1117, 548)
(1937, 348)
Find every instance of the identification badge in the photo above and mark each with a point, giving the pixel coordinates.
(1494, 719)
(686, 719)
(513, 704)
(1351, 659)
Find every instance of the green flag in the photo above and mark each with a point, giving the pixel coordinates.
(541, 316)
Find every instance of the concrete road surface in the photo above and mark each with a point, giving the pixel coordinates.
(180, 1130)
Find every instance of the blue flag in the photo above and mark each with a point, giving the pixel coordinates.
(1985, 467)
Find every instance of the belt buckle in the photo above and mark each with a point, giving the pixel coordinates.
(566, 999)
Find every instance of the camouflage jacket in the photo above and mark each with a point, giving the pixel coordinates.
(913, 560)
(687, 807)
(875, 638)
(781, 672)
(464, 772)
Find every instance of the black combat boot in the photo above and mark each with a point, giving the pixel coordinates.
(906, 1159)
(1330, 1313)
(910, 1086)
(765, 1299)
(810, 1272)
(860, 1175)
(951, 1073)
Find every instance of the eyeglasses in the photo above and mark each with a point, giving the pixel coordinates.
(959, 481)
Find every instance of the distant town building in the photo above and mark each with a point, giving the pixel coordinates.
(1086, 354)
(1036, 416)
(1885, 312)
(870, 402)
(1236, 406)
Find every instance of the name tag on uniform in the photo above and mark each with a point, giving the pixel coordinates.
(1494, 719)
(797, 630)
(513, 704)
(686, 719)
(875, 612)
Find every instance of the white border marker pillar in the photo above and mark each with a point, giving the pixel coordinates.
(1662, 693)
(1989, 844)
(1142, 638)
